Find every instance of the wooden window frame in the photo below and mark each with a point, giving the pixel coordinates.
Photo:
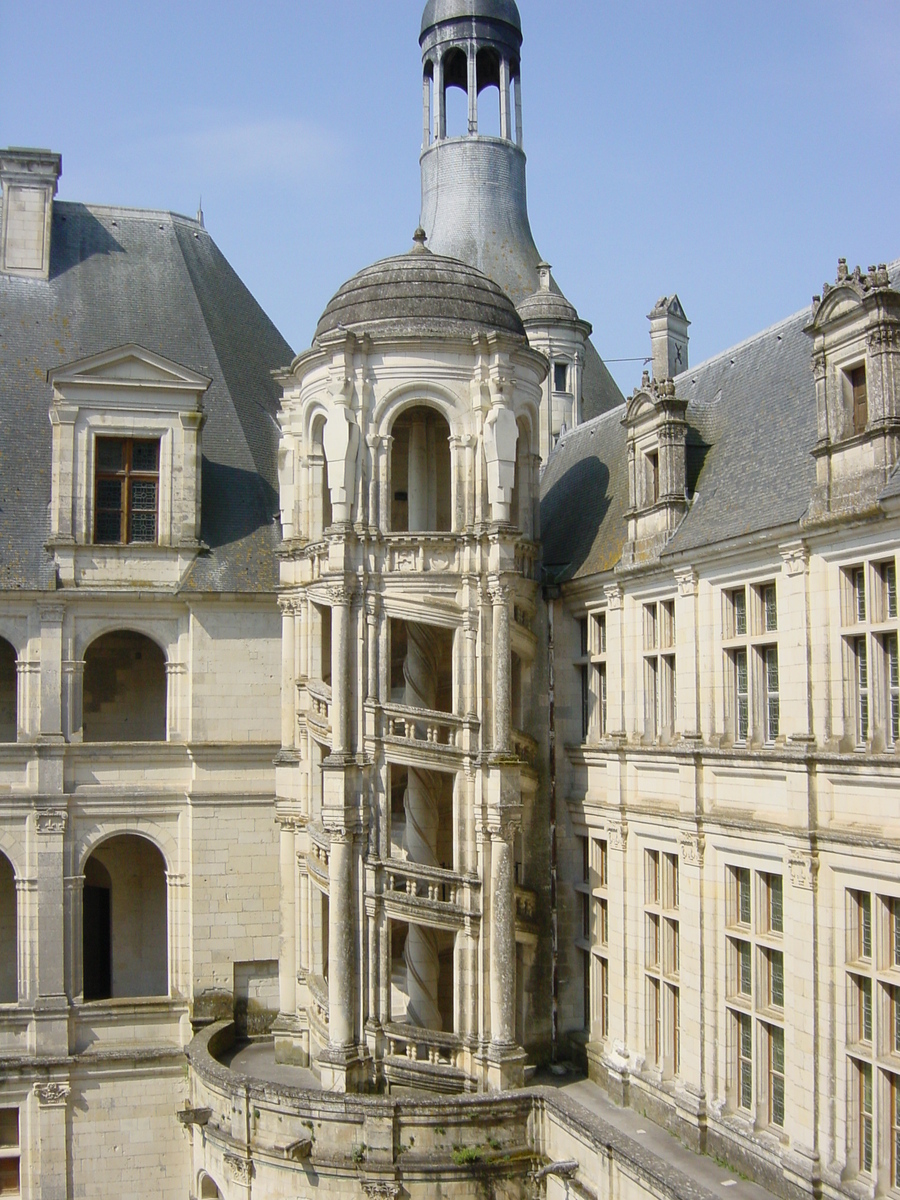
(126, 476)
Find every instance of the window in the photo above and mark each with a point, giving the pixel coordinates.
(560, 377)
(584, 678)
(859, 396)
(594, 940)
(662, 961)
(9, 1152)
(756, 990)
(659, 669)
(895, 1130)
(652, 477)
(751, 618)
(598, 659)
(872, 660)
(866, 1118)
(126, 491)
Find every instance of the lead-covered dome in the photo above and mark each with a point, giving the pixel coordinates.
(420, 294)
(437, 11)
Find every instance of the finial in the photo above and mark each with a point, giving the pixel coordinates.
(419, 238)
(842, 269)
(544, 269)
(645, 380)
(200, 214)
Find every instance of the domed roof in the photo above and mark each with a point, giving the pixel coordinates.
(420, 294)
(454, 10)
(548, 306)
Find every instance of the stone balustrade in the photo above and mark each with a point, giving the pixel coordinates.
(423, 725)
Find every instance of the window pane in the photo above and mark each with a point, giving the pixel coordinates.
(770, 607)
(144, 456)
(743, 886)
(109, 494)
(890, 584)
(110, 454)
(740, 612)
(746, 969)
(109, 527)
(865, 925)
(776, 904)
(776, 979)
(9, 1127)
(9, 1177)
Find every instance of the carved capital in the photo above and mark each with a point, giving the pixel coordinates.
(617, 832)
(614, 597)
(804, 869)
(693, 847)
(687, 582)
(51, 821)
(818, 365)
(52, 614)
(240, 1169)
(498, 592)
(51, 1095)
(377, 1188)
(373, 606)
(795, 557)
(340, 596)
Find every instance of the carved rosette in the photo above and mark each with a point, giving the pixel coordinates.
(240, 1169)
(804, 869)
(378, 1188)
(51, 1095)
(693, 848)
(51, 821)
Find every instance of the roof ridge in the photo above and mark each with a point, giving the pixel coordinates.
(124, 210)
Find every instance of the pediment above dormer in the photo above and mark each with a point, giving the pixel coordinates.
(128, 366)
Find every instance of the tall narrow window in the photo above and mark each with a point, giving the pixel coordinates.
(741, 696)
(859, 393)
(584, 678)
(659, 669)
(776, 1076)
(895, 1131)
(745, 1061)
(652, 477)
(770, 608)
(598, 659)
(772, 698)
(862, 691)
(859, 593)
(866, 1118)
(892, 698)
(126, 490)
(9, 1152)
(560, 377)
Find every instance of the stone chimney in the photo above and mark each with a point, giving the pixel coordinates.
(29, 179)
(668, 338)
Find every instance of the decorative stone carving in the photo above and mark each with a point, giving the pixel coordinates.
(693, 848)
(339, 595)
(617, 832)
(500, 436)
(795, 557)
(687, 582)
(381, 1188)
(341, 444)
(240, 1169)
(614, 597)
(51, 1094)
(51, 821)
(804, 869)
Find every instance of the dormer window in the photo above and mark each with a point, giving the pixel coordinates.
(856, 383)
(560, 377)
(127, 490)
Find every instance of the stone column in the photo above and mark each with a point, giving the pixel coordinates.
(470, 706)
(287, 958)
(472, 89)
(807, 1007)
(340, 669)
(794, 650)
(340, 939)
(51, 672)
(503, 940)
(51, 1100)
(505, 131)
(288, 677)
(440, 123)
(518, 88)
(28, 681)
(26, 938)
(687, 677)
(175, 671)
(615, 714)
(426, 112)
(74, 888)
(304, 965)
(372, 607)
(176, 906)
(417, 476)
(50, 1003)
(501, 667)
(72, 692)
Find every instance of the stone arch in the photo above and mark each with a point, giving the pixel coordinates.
(456, 80)
(421, 471)
(9, 941)
(487, 75)
(124, 689)
(522, 504)
(8, 692)
(414, 394)
(125, 919)
(207, 1188)
(320, 515)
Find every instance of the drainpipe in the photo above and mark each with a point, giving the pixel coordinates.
(551, 594)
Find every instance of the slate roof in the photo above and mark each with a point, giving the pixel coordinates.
(158, 280)
(437, 11)
(751, 430)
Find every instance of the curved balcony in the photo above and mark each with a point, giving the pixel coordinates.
(422, 737)
(425, 1058)
(413, 892)
(318, 712)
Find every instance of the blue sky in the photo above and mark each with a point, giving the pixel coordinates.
(729, 152)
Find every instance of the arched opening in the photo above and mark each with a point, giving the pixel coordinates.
(319, 493)
(521, 509)
(125, 922)
(487, 73)
(456, 94)
(124, 689)
(208, 1189)
(420, 472)
(9, 958)
(7, 692)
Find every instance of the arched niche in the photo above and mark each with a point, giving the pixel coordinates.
(124, 689)
(320, 514)
(208, 1188)
(421, 472)
(125, 920)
